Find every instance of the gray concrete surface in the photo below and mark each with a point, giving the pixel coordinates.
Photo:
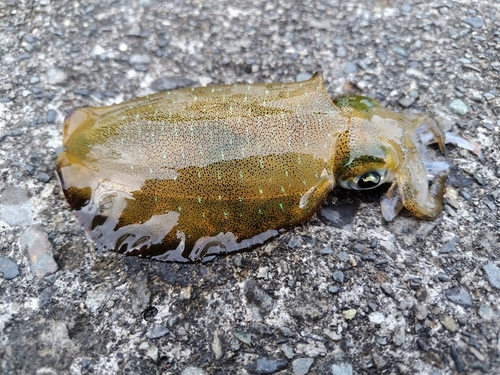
(357, 296)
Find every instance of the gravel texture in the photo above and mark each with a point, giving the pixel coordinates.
(345, 293)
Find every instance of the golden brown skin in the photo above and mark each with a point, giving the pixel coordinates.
(195, 171)
(184, 174)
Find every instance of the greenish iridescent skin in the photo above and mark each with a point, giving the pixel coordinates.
(192, 172)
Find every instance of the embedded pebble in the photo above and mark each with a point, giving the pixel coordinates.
(8, 268)
(166, 83)
(341, 369)
(263, 272)
(489, 96)
(56, 76)
(459, 362)
(266, 366)
(288, 351)
(388, 245)
(449, 246)
(244, 337)
(349, 314)
(135, 30)
(341, 52)
(475, 22)
(35, 242)
(43, 177)
(350, 68)
(334, 289)
(326, 250)
(443, 277)
(458, 106)
(258, 297)
(460, 296)
(421, 312)
(301, 366)
(400, 51)
(485, 311)
(51, 116)
(139, 59)
(157, 331)
(492, 274)
(399, 336)
(448, 323)
(295, 241)
(303, 77)
(193, 370)
(15, 206)
(338, 276)
(406, 102)
(378, 360)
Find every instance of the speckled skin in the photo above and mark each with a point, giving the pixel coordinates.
(197, 171)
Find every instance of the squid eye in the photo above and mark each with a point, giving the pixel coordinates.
(368, 180)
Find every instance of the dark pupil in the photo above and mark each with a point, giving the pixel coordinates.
(369, 180)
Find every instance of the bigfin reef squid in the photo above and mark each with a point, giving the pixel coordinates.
(185, 174)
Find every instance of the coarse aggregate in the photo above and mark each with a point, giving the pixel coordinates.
(346, 292)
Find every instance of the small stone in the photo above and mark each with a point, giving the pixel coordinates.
(34, 80)
(406, 102)
(341, 52)
(135, 30)
(286, 331)
(295, 241)
(400, 51)
(376, 317)
(489, 96)
(193, 370)
(157, 331)
(350, 68)
(379, 361)
(349, 314)
(458, 106)
(338, 276)
(388, 245)
(35, 242)
(342, 256)
(139, 59)
(266, 366)
(51, 116)
(387, 289)
(43, 177)
(166, 83)
(492, 274)
(460, 296)
(56, 76)
(399, 336)
(258, 297)
(303, 77)
(449, 246)
(485, 312)
(370, 257)
(217, 345)
(301, 366)
(406, 8)
(443, 277)
(326, 250)
(421, 312)
(459, 362)
(288, 351)
(475, 22)
(334, 289)
(244, 337)
(341, 369)
(422, 345)
(263, 272)
(23, 56)
(8, 268)
(449, 323)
